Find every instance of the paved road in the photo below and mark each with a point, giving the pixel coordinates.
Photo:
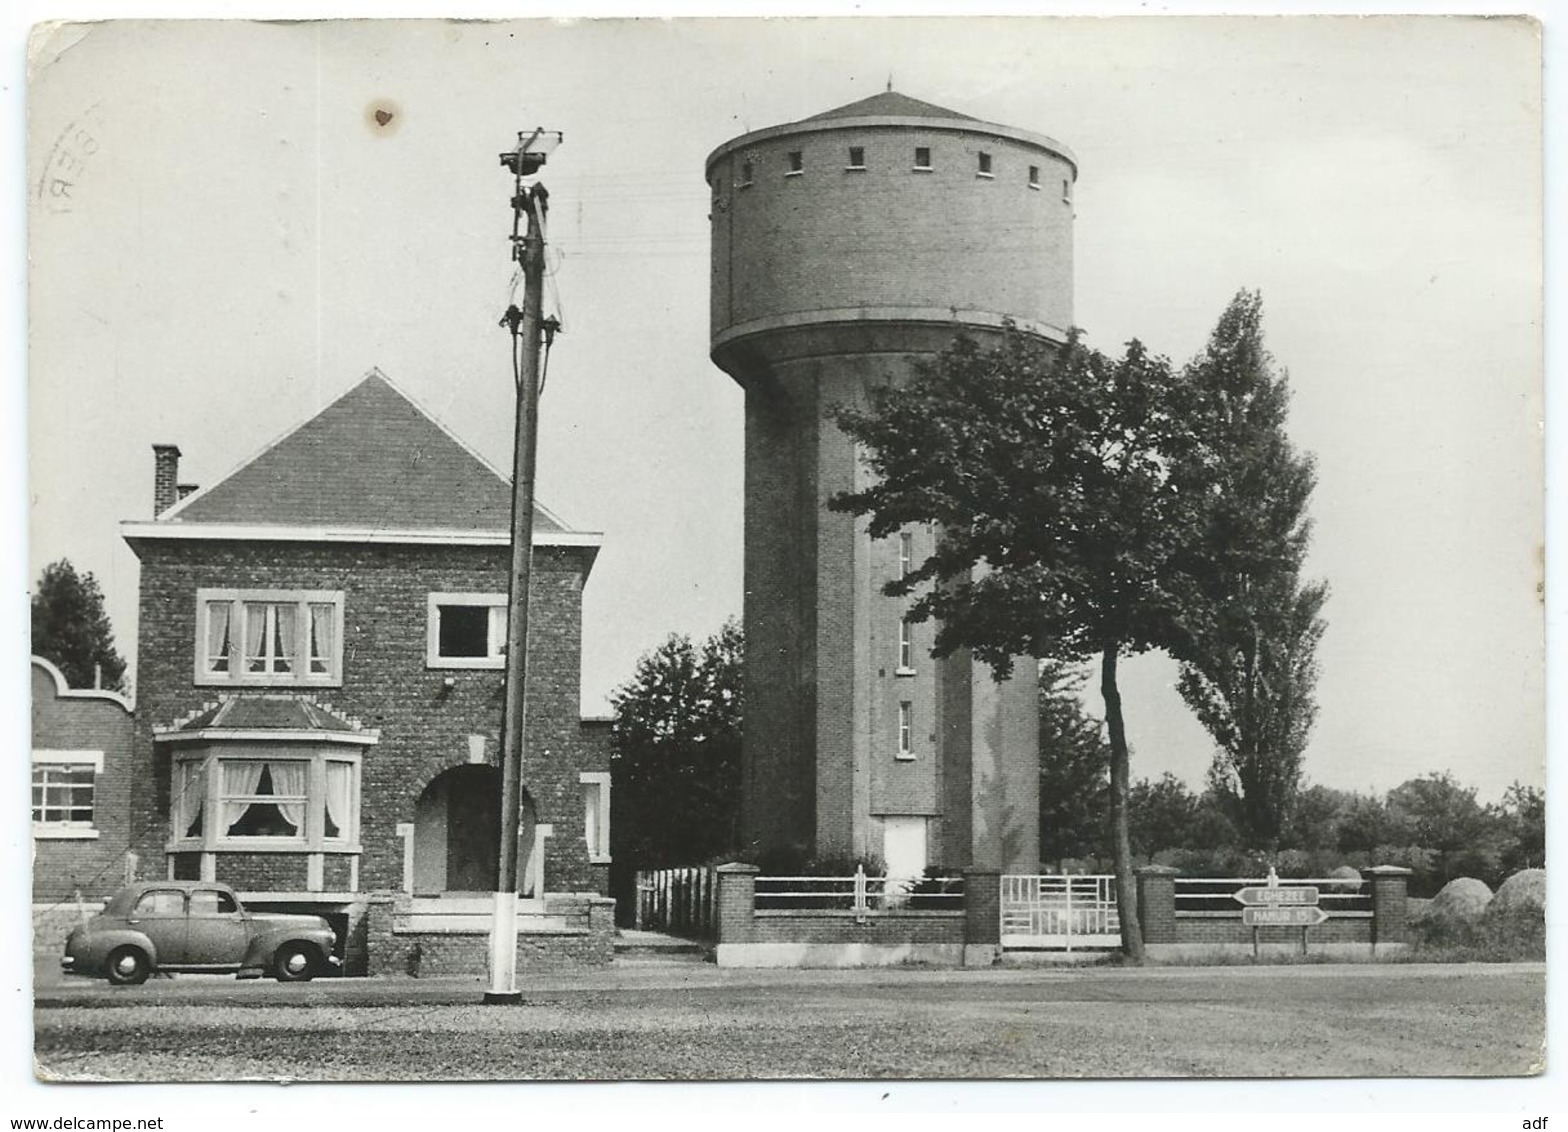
(701, 1022)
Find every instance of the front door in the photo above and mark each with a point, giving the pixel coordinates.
(473, 829)
(904, 846)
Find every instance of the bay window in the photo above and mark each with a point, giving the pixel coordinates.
(243, 798)
(269, 637)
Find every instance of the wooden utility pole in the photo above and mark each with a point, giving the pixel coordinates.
(529, 204)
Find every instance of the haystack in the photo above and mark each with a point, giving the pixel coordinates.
(1461, 899)
(1524, 891)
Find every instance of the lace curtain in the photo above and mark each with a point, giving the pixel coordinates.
(321, 642)
(289, 781)
(340, 797)
(241, 782)
(218, 613)
(193, 797)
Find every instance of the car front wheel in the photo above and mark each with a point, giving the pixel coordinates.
(127, 966)
(294, 963)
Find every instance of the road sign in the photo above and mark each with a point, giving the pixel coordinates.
(1274, 897)
(1286, 916)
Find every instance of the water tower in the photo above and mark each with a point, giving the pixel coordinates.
(846, 246)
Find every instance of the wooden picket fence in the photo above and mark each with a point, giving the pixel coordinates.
(678, 902)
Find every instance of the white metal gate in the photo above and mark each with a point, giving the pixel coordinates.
(1059, 912)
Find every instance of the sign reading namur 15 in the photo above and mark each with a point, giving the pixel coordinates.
(1280, 907)
(1283, 916)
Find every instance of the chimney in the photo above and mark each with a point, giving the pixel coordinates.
(165, 476)
(186, 488)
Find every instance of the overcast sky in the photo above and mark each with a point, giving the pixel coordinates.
(243, 243)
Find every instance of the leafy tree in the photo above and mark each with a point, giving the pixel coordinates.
(1434, 810)
(1212, 827)
(1315, 820)
(675, 753)
(1363, 824)
(72, 630)
(1163, 815)
(1437, 813)
(1523, 817)
(1249, 668)
(1056, 478)
(1075, 763)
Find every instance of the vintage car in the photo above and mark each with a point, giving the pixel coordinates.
(173, 925)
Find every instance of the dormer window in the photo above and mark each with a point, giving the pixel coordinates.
(857, 159)
(796, 163)
(983, 166)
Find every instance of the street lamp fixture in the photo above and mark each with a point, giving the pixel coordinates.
(533, 150)
(527, 330)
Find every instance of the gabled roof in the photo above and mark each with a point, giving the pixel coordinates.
(372, 459)
(890, 104)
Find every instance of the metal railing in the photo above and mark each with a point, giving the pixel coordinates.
(1059, 912)
(1214, 898)
(860, 894)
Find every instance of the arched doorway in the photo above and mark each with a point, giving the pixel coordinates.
(457, 832)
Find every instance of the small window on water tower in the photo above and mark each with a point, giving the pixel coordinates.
(745, 175)
(857, 157)
(796, 163)
(923, 159)
(906, 711)
(1034, 177)
(1067, 191)
(983, 166)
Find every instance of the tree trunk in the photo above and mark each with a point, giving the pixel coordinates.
(1121, 841)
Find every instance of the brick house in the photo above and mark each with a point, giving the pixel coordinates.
(320, 689)
(81, 788)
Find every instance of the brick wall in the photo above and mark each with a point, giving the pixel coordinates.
(424, 724)
(77, 722)
(337, 872)
(840, 927)
(1233, 931)
(262, 872)
(586, 940)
